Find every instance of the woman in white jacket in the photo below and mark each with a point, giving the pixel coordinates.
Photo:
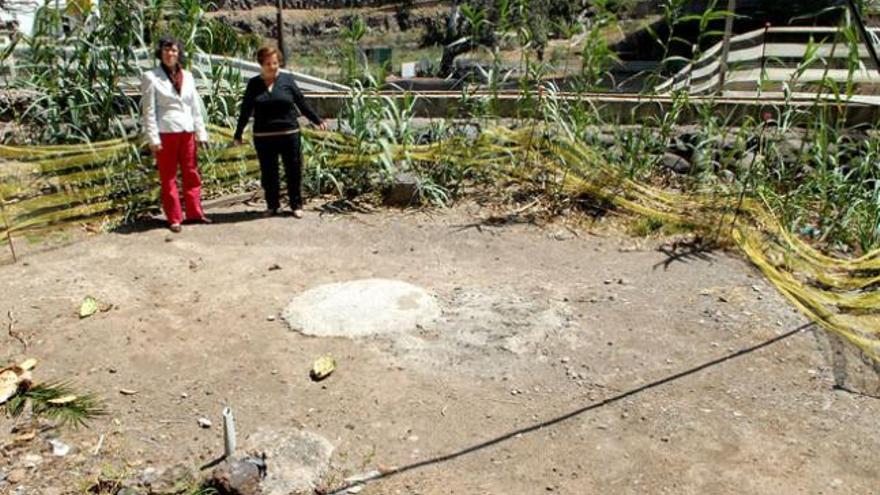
(172, 113)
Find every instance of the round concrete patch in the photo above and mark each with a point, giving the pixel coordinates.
(360, 308)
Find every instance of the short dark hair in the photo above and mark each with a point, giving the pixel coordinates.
(267, 51)
(171, 41)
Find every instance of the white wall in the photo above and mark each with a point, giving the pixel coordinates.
(23, 11)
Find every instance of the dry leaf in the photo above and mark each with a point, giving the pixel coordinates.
(88, 307)
(10, 379)
(24, 437)
(62, 400)
(322, 368)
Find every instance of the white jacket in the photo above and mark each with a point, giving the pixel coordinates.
(164, 110)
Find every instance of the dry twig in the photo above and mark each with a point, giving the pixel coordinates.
(12, 333)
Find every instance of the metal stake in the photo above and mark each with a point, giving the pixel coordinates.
(280, 22)
(8, 230)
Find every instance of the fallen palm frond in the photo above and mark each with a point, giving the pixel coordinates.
(839, 293)
(57, 402)
(54, 400)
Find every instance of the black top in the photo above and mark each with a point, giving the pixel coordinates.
(274, 110)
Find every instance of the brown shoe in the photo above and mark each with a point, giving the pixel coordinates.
(175, 227)
(271, 212)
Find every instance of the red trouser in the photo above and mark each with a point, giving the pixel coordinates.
(179, 148)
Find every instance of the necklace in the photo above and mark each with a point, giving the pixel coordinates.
(270, 83)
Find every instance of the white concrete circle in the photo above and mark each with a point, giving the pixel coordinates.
(361, 308)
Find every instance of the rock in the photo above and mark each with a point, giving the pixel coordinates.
(702, 159)
(606, 139)
(16, 476)
(563, 235)
(675, 163)
(297, 460)
(404, 191)
(205, 422)
(32, 460)
(727, 176)
(59, 448)
(149, 476)
(175, 480)
(237, 477)
(748, 160)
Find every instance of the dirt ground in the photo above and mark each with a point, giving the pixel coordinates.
(538, 322)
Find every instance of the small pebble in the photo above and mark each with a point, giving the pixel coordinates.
(16, 476)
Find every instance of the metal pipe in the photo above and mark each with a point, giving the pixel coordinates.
(8, 229)
(228, 433)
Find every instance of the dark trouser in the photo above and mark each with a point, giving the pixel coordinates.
(269, 148)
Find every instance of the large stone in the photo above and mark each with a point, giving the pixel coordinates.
(236, 477)
(297, 460)
(175, 480)
(361, 308)
(404, 191)
(675, 163)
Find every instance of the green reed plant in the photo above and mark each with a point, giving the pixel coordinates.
(78, 75)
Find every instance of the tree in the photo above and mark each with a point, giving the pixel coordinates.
(474, 23)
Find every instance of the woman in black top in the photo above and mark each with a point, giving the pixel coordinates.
(273, 98)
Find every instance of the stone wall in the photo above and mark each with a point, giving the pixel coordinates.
(302, 4)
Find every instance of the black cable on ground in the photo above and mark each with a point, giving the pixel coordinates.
(597, 405)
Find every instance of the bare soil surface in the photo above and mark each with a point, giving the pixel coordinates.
(537, 324)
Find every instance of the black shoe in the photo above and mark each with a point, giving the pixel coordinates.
(203, 220)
